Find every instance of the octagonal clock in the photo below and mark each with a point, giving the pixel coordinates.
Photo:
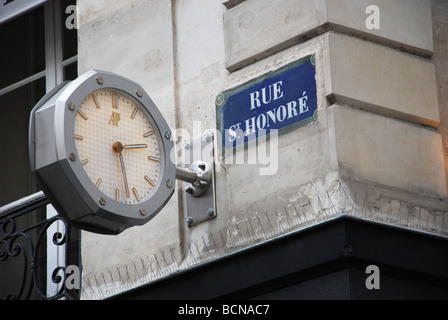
(101, 150)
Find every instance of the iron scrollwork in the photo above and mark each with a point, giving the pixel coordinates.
(26, 243)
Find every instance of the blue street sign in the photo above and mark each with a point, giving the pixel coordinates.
(272, 102)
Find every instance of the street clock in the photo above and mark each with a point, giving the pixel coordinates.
(100, 149)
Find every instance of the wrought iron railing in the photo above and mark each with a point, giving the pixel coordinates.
(24, 246)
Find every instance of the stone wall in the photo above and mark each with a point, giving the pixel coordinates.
(375, 151)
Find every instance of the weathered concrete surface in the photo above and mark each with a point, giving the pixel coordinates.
(381, 80)
(389, 152)
(256, 29)
(403, 24)
(440, 60)
(379, 163)
(135, 40)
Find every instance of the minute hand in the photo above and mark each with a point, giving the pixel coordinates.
(123, 170)
(135, 146)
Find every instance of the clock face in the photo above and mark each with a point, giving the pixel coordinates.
(118, 146)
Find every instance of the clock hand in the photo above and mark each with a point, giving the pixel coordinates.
(118, 147)
(135, 146)
(124, 175)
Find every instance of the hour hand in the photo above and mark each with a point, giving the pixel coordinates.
(135, 146)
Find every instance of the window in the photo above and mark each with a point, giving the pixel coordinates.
(38, 52)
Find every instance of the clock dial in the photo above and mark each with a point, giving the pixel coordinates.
(118, 146)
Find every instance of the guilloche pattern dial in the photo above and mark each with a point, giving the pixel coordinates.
(117, 146)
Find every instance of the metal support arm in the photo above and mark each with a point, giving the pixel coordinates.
(186, 175)
(199, 175)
